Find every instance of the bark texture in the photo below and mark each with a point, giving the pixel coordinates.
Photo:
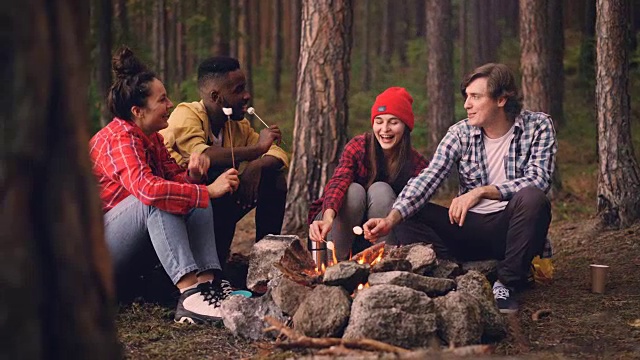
(440, 111)
(619, 175)
(321, 118)
(55, 275)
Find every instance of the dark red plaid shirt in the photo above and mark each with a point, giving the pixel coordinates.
(352, 168)
(127, 162)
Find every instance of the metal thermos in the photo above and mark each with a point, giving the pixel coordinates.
(318, 252)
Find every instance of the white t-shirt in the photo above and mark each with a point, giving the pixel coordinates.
(497, 151)
(217, 140)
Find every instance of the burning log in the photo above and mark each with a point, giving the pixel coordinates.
(370, 254)
(296, 264)
(297, 340)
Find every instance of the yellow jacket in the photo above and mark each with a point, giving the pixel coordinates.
(189, 132)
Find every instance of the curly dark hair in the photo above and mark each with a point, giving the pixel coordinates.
(131, 86)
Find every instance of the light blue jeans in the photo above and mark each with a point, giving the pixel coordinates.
(183, 243)
(359, 205)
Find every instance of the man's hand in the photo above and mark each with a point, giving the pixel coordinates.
(225, 183)
(378, 227)
(268, 136)
(198, 166)
(319, 229)
(461, 205)
(249, 184)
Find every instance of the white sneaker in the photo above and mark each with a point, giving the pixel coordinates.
(200, 304)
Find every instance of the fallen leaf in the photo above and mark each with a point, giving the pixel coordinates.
(635, 323)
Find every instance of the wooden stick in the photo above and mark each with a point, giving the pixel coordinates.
(233, 158)
(297, 340)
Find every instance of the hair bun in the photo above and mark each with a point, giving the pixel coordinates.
(125, 64)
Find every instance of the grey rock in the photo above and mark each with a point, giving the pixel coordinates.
(264, 254)
(288, 295)
(244, 316)
(421, 256)
(396, 315)
(476, 285)
(445, 269)
(428, 285)
(324, 312)
(488, 268)
(459, 319)
(391, 264)
(347, 274)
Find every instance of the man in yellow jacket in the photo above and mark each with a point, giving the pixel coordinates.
(202, 127)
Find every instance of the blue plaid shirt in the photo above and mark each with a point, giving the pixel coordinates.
(530, 162)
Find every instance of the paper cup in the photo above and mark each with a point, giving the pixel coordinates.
(598, 278)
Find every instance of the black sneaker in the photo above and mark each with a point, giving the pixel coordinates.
(200, 305)
(506, 303)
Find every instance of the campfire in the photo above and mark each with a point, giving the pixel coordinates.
(401, 296)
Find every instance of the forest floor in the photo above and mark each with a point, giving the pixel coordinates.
(580, 324)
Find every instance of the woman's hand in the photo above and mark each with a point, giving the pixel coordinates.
(319, 229)
(225, 183)
(198, 166)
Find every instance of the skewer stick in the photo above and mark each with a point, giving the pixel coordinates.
(252, 111)
(228, 112)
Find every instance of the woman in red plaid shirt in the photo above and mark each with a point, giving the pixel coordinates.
(148, 198)
(373, 169)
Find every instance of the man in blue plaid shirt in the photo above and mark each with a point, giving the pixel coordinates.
(505, 159)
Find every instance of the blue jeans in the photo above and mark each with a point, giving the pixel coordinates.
(183, 243)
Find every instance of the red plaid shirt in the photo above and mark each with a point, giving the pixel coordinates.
(127, 162)
(352, 168)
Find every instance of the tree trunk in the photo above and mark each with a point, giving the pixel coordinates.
(440, 111)
(123, 21)
(181, 44)
(462, 32)
(403, 34)
(234, 25)
(587, 49)
(388, 31)
(160, 38)
(556, 60)
(223, 9)
(420, 18)
(321, 108)
(535, 65)
(366, 41)
(296, 6)
(55, 275)
(105, 14)
(534, 55)
(619, 175)
(277, 48)
(255, 32)
(246, 58)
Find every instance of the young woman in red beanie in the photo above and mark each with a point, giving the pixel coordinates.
(373, 169)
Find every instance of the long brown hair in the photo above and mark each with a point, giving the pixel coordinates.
(394, 169)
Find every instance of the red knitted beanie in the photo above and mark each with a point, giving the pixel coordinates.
(395, 101)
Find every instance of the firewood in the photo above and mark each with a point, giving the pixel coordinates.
(369, 254)
(297, 340)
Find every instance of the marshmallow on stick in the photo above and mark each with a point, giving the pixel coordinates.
(228, 111)
(252, 111)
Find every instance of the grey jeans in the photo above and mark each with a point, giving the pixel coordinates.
(359, 205)
(183, 243)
